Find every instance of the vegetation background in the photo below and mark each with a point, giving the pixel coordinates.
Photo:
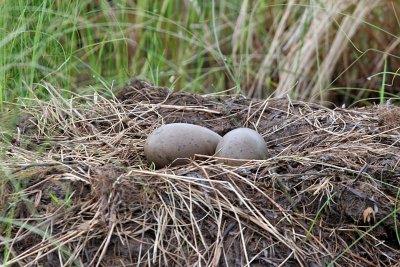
(333, 52)
(345, 52)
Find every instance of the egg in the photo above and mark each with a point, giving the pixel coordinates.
(240, 145)
(176, 142)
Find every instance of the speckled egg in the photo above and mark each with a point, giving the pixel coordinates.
(240, 145)
(176, 142)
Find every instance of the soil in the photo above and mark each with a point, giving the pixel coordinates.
(326, 196)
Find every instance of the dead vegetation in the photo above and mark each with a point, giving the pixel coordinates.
(80, 193)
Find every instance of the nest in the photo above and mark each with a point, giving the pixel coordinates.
(81, 193)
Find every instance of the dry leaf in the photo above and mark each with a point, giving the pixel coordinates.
(367, 214)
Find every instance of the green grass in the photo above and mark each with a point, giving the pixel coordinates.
(10, 257)
(362, 235)
(382, 91)
(259, 48)
(317, 216)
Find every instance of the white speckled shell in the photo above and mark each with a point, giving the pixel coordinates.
(241, 145)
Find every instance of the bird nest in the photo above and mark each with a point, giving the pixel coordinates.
(79, 191)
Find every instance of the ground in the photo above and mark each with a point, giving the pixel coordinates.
(326, 196)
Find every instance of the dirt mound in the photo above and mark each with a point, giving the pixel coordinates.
(80, 191)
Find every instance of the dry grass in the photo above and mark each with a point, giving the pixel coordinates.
(303, 60)
(327, 195)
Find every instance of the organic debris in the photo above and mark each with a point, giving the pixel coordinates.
(80, 192)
